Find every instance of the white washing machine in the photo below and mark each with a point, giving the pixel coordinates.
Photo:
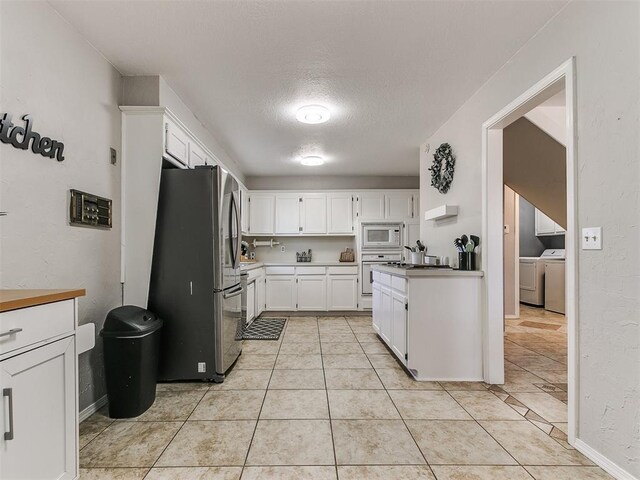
(532, 276)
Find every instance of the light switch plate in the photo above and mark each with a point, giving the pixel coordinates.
(592, 238)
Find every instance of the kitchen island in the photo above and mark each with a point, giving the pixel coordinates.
(431, 320)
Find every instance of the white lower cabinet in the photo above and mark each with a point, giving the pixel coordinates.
(376, 303)
(342, 292)
(399, 325)
(260, 295)
(39, 413)
(312, 292)
(251, 301)
(280, 292)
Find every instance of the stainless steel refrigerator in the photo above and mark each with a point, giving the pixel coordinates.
(195, 276)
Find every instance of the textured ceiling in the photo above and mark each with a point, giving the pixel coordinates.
(391, 72)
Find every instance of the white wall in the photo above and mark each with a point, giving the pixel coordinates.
(605, 39)
(323, 249)
(50, 72)
(511, 257)
(332, 182)
(169, 99)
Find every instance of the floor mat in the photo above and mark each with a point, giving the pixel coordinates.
(264, 329)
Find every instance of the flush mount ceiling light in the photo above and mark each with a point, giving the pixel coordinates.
(313, 114)
(312, 161)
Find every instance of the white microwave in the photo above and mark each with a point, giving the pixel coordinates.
(381, 235)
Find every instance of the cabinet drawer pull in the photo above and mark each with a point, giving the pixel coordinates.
(13, 331)
(8, 392)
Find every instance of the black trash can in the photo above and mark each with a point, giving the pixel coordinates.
(131, 337)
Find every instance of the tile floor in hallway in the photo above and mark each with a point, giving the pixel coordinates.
(328, 401)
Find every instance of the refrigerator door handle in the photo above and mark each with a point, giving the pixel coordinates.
(235, 258)
(232, 293)
(236, 263)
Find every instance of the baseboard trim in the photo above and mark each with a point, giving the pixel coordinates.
(512, 317)
(93, 408)
(603, 462)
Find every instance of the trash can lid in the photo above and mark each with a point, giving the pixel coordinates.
(130, 321)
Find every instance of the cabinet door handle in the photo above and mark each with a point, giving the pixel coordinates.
(8, 392)
(13, 331)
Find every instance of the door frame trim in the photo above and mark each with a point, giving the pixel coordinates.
(563, 77)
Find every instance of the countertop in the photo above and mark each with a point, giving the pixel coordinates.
(22, 298)
(426, 272)
(245, 267)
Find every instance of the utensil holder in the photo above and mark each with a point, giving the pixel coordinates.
(417, 258)
(466, 261)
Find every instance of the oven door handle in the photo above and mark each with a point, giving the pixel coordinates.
(370, 276)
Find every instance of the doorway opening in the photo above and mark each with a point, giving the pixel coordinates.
(518, 185)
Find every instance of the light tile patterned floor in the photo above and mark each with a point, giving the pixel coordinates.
(328, 401)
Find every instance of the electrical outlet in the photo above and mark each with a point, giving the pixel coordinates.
(202, 367)
(282, 248)
(506, 229)
(592, 238)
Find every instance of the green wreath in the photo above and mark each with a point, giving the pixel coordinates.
(441, 178)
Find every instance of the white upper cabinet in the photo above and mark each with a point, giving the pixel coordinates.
(288, 213)
(411, 236)
(399, 205)
(546, 226)
(197, 156)
(371, 206)
(244, 210)
(314, 213)
(389, 205)
(176, 142)
(340, 213)
(261, 211)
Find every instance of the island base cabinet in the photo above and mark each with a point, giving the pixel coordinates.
(39, 413)
(399, 326)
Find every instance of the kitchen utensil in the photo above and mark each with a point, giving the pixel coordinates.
(458, 243)
(411, 249)
(417, 258)
(475, 239)
(469, 246)
(464, 240)
(421, 246)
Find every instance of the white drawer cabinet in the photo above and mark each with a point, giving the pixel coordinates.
(39, 387)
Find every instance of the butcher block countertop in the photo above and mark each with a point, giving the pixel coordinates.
(21, 298)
